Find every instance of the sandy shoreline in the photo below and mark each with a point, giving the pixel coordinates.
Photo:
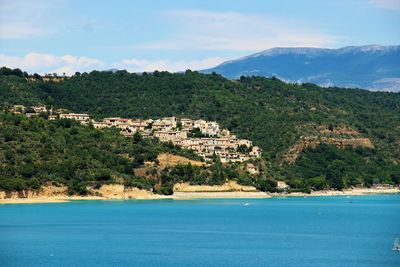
(205, 195)
(31, 200)
(346, 192)
(211, 195)
(72, 198)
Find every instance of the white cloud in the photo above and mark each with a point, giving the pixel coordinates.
(44, 63)
(140, 65)
(207, 30)
(69, 64)
(387, 4)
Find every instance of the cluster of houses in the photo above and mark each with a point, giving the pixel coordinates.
(205, 138)
(33, 111)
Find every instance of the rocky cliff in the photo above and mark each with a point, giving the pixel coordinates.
(341, 137)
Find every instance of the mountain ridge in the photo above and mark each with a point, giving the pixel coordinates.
(372, 67)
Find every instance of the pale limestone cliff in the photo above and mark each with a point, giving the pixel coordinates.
(231, 186)
(45, 191)
(341, 137)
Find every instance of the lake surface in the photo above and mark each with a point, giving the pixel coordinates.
(319, 231)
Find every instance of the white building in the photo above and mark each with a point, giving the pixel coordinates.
(165, 124)
(245, 142)
(173, 136)
(82, 118)
(255, 152)
(210, 128)
(187, 124)
(39, 109)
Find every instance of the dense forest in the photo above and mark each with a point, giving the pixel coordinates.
(271, 113)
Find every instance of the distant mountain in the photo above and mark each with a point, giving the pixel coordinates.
(370, 67)
(113, 70)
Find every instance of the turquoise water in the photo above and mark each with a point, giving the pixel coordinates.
(325, 231)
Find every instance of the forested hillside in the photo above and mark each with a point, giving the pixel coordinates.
(271, 113)
(36, 151)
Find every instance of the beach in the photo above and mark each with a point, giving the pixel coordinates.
(363, 191)
(183, 191)
(211, 195)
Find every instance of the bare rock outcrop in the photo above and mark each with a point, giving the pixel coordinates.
(118, 191)
(341, 137)
(45, 191)
(230, 186)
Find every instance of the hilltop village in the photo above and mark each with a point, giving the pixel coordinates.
(205, 138)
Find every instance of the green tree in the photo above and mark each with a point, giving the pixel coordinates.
(335, 173)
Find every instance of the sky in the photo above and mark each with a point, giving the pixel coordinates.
(65, 36)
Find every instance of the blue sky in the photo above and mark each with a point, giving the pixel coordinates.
(81, 35)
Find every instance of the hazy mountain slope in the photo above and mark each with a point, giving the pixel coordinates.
(369, 67)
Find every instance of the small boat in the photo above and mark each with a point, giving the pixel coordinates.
(396, 244)
(246, 204)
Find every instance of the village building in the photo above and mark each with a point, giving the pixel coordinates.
(138, 125)
(18, 109)
(212, 129)
(39, 109)
(252, 169)
(82, 118)
(209, 128)
(217, 142)
(226, 157)
(224, 132)
(165, 124)
(170, 136)
(255, 152)
(244, 142)
(123, 126)
(31, 114)
(187, 124)
(113, 121)
(99, 124)
(282, 185)
(146, 134)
